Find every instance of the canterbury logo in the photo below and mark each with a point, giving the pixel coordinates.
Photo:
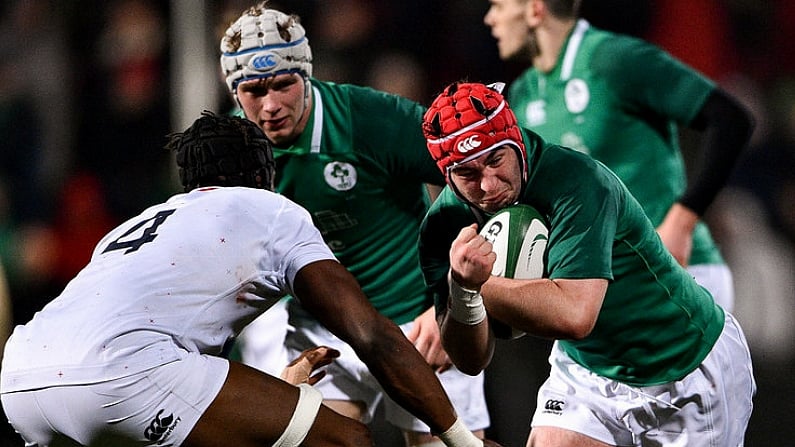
(554, 406)
(468, 143)
(160, 428)
(263, 62)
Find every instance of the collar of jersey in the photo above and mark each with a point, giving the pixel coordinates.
(572, 47)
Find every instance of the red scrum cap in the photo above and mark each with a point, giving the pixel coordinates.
(468, 120)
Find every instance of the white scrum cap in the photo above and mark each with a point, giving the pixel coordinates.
(264, 42)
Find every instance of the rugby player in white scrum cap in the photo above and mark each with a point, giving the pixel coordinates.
(355, 158)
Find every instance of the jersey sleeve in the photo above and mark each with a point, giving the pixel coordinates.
(296, 241)
(650, 79)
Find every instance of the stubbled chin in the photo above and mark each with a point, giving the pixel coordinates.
(490, 207)
(279, 137)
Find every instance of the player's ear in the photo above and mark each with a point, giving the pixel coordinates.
(534, 12)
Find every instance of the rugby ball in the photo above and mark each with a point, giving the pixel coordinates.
(519, 236)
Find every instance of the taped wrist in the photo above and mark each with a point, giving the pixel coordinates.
(466, 306)
(458, 435)
(306, 409)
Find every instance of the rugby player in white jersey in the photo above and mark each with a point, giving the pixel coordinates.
(130, 353)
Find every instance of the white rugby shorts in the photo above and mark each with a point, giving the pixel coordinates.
(717, 278)
(159, 407)
(709, 407)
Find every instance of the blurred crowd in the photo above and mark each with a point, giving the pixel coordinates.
(85, 108)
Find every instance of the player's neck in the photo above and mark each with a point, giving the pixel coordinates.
(551, 36)
(307, 111)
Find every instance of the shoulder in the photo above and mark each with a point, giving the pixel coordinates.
(247, 201)
(231, 194)
(366, 105)
(349, 90)
(637, 58)
(519, 86)
(449, 211)
(610, 47)
(525, 76)
(583, 179)
(364, 96)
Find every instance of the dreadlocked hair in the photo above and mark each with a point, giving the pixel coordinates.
(223, 151)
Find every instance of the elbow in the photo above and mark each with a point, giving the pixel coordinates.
(578, 334)
(736, 116)
(469, 362)
(578, 328)
(468, 367)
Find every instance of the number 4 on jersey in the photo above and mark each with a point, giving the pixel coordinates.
(148, 234)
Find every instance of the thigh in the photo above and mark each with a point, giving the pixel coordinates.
(558, 437)
(261, 343)
(25, 412)
(709, 406)
(253, 409)
(729, 372)
(574, 404)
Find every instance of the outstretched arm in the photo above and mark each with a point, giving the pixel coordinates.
(332, 295)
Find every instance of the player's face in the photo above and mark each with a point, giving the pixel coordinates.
(276, 104)
(506, 18)
(490, 182)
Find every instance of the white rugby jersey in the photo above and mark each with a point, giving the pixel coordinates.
(186, 274)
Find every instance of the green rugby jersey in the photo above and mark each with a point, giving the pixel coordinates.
(359, 168)
(656, 323)
(620, 100)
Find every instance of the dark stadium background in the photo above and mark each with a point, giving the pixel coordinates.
(89, 89)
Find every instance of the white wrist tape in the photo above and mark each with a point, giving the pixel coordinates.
(466, 306)
(303, 417)
(458, 435)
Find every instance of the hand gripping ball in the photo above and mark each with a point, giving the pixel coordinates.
(519, 236)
